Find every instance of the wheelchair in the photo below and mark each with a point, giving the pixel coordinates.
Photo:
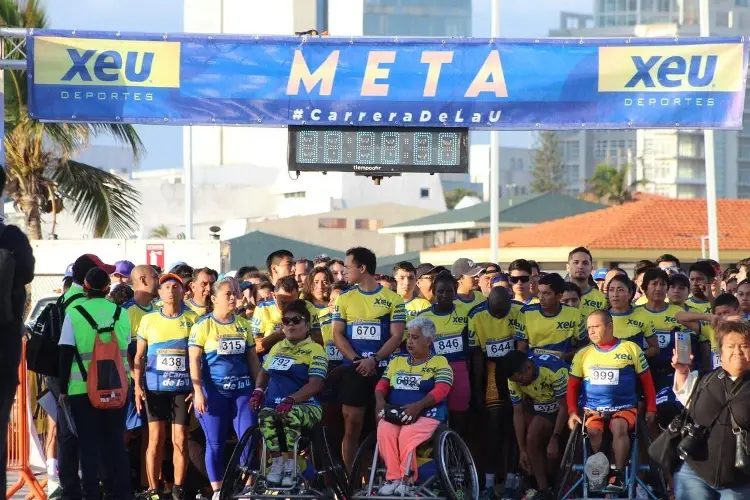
(448, 471)
(572, 481)
(317, 474)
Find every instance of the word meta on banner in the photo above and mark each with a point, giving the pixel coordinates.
(378, 150)
(333, 82)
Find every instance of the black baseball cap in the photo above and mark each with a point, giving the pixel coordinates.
(465, 267)
(424, 269)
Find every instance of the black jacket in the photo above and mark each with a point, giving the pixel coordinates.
(713, 460)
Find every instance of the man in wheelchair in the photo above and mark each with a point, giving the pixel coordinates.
(410, 401)
(607, 370)
(537, 386)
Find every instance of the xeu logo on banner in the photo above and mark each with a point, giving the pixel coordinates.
(428, 82)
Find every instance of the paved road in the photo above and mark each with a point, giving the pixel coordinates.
(12, 478)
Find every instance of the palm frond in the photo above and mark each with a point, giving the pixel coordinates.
(125, 134)
(100, 200)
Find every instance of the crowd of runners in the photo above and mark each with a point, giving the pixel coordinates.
(510, 357)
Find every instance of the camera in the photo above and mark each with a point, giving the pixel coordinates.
(693, 435)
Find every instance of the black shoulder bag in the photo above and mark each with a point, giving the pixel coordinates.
(741, 455)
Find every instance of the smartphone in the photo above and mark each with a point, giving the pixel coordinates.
(682, 345)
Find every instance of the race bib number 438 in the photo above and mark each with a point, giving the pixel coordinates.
(171, 363)
(366, 331)
(604, 377)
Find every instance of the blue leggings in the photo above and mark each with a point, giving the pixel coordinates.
(220, 409)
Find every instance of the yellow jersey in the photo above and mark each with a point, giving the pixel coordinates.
(702, 306)
(199, 310)
(410, 383)
(496, 337)
(452, 327)
(267, 318)
(548, 387)
(290, 366)
(555, 334)
(609, 376)
(368, 317)
(592, 300)
(634, 325)
(326, 331)
(465, 306)
(415, 306)
(665, 326)
(167, 366)
(225, 346)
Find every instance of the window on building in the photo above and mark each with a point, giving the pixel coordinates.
(513, 164)
(424, 193)
(743, 176)
(295, 194)
(744, 150)
(332, 223)
(368, 224)
(520, 164)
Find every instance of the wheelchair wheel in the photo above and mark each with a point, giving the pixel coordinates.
(242, 465)
(565, 476)
(655, 475)
(359, 476)
(458, 473)
(334, 473)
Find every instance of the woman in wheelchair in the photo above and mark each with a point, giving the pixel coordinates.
(410, 401)
(293, 374)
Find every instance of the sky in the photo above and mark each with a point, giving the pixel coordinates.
(518, 19)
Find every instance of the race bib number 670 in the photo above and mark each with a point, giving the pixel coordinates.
(365, 331)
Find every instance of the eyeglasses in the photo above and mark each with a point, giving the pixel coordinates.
(293, 320)
(520, 279)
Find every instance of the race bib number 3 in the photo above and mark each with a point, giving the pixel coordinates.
(171, 363)
(231, 346)
(605, 377)
(280, 363)
(449, 345)
(664, 339)
(407, 382)
(333, 353)
(365, 331)
(499, 348)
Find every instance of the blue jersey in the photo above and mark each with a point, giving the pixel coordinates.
(225, 346)
(410, 383)
(290, 366)
(166, 357)
(368, 317)
(609, 376)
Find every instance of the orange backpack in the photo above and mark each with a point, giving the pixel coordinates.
(106, 381)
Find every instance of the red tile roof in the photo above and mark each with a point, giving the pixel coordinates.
(653, 223)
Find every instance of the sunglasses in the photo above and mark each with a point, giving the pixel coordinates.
(294, 320)
(520, 279)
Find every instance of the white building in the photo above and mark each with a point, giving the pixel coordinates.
(672, 161)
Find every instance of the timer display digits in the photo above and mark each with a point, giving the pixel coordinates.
(378, 149)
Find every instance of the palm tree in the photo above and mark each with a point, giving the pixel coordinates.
(611, 185)
(41, 173)
(160, 232)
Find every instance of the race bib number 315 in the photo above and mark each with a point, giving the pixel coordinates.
(231, 346)
(366, 331)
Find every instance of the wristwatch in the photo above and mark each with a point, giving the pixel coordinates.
(376, 358)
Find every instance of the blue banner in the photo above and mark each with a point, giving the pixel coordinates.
(475, 83)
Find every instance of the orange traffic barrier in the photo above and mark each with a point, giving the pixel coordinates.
(18, 437)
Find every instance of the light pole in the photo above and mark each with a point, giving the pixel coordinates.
(494, 155)
(708, 138)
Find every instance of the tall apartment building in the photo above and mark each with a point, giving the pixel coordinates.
(671, 161)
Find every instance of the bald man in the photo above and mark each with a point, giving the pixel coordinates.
(145, 283)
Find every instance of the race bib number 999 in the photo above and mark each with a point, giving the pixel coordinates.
(171, 363)
(280, 363)
(449, 345)
(366, 331)
(231, 346)
(499, 348)
(604, 377)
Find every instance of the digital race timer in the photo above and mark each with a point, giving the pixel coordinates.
(378, 149)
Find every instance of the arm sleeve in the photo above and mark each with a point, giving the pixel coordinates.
(444, 373)
(560, 383)
(474, 340)
(648, 391)
(521, 329)
(582, 333)
(318, 363)
(66, 334)
(398, 313)
(339, 310)
(143, 329)
(257, 322)
(440, 392)
(198, 334)
(574, 386)
(383, 386)
(515, 394)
